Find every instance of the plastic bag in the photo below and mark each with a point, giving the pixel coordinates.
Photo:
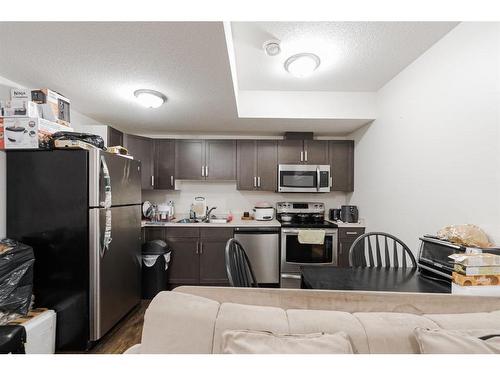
(466, 235)
(16, 276)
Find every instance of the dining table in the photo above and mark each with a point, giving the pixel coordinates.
(371, 279)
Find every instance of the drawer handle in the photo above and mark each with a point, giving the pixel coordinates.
(351, 232)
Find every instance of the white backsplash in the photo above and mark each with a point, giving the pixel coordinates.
(226, 197)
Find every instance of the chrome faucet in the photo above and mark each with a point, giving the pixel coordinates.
(207, 216)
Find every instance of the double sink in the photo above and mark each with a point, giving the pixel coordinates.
(212, 220)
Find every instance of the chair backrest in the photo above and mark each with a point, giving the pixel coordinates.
(238, 267)
(366, 251)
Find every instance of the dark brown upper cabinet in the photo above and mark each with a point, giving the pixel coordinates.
(205, 159)
(115, 137)
(257, 165)
(164, 150)
(297, 151)
(141, 148)
(342, 165)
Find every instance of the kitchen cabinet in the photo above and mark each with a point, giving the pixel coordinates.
(198, 254)
(297, 151)
(115, 137)
(341, 154)
(347, 236)
(205, 159)
(212, 255)
(141, 148)
(220, 160)
(164, 164)
(257, 165)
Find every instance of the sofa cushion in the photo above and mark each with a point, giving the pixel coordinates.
(441, 341)
(393, 332)
(468, 321)
(259, 342)
(307, 321)
(234, 316)
(179, 323)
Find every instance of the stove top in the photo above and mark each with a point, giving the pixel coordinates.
(323, 224)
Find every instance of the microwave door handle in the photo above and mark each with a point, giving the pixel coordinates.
(318, 178)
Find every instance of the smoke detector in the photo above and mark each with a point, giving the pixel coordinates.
(272, 47)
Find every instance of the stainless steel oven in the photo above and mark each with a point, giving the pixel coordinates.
(303, 178)
(295, 254)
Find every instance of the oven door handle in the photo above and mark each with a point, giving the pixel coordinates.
(296, 231)
(290, 276)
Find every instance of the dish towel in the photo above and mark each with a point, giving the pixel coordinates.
(311, 237)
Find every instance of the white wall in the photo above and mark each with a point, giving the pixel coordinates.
(78, 122)
(226, 198)
(432, 157)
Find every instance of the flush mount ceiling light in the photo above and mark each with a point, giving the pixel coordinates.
(302, 64)
(150, 98)
(272, 47)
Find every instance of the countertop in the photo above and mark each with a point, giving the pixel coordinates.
(341, 224)
(236, 222)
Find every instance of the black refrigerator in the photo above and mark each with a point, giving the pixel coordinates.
(80, 210)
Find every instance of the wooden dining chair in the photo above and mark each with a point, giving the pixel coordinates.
(238, 267)
(366, 251)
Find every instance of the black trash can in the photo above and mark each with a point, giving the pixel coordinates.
(155, 259)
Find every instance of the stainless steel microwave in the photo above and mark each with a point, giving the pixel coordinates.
(303, 178)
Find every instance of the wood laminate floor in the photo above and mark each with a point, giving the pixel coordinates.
(125, 334)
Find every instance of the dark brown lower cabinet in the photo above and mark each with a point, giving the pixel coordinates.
(197, 256)
(212, 259)
(184, 260)
(347, 236)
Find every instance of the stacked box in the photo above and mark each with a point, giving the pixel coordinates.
(27, 132)
(477, 274)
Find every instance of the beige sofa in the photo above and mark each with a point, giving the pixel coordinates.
(192, 319)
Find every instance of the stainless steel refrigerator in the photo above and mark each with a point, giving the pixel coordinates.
(81, 212)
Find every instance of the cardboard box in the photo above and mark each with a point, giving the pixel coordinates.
(55, 106)
(24, 94)
(475, 280)
(27, 132)
(470, 271)
(19, 107)
(476, 260)
(40, 325)
(486, 291)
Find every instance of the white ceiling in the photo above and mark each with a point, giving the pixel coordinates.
(99, 65)
(355, 56)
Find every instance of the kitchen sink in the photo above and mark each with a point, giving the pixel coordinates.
(188, 221)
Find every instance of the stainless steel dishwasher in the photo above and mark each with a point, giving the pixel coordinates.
(262, 247)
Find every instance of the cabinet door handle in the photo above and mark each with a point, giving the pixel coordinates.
(202, 171)
(305, 155)
(172, 180)
(197, 247)
(301, 155)
(201, 247)
(254, 181)
(258, 181)
(206, 170)
(152, 180)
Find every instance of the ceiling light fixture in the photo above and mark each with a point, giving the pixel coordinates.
(302, 64)
(272, 47)
(150, 98)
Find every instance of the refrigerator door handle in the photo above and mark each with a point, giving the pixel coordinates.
(95, 274)
(107, 184)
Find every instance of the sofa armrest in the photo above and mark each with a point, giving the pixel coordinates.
(179, 323)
